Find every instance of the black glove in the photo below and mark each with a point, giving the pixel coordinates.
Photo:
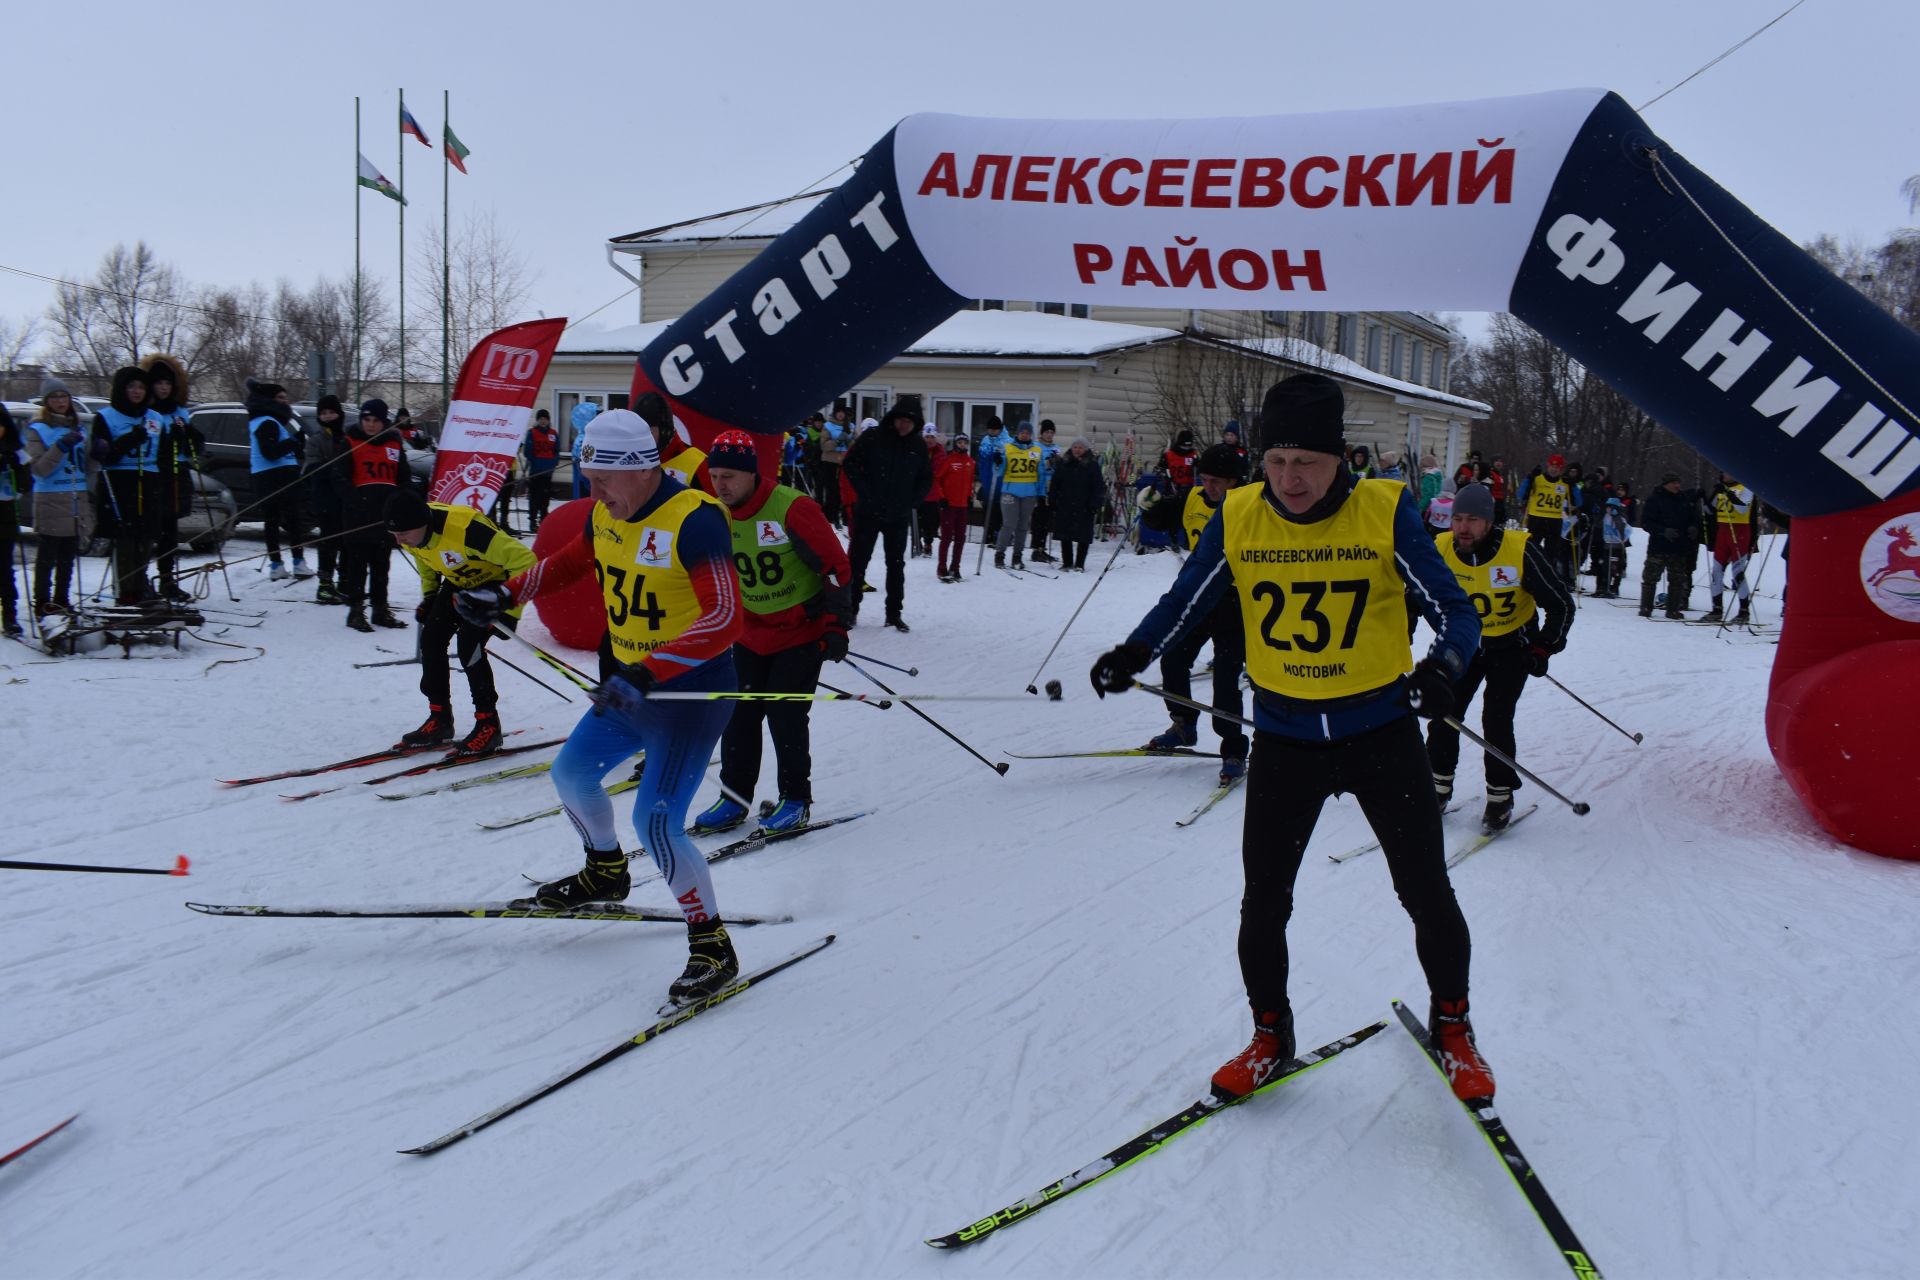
(626, 692)
(134, 441)
(482, 606)
(1117, 667)
(1537, 661)
(834, 645)
(1430, 690)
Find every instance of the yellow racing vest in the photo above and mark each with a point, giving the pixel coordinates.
(1323, 604)
(1727, 511)
(1503, 604)
(467, 550)
(643, 581)
(684, 464)
(1023, 463)
(1194, 516)
(1547, 499)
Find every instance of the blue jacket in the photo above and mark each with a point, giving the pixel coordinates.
(1206, 576)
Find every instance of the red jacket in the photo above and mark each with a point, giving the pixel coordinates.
(936, 454)
(953, 479)
(1180, 466)
(819, 548)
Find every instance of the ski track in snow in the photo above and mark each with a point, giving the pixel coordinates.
(1694, 1000)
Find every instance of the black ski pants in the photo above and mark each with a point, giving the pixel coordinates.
(1677, 569)
(282, 514)
(1504, 672)
(1229, 655)
(795, 670)
(440, 624)
(1385, 769)
(53, 560)
(893, 535)
(539, 497)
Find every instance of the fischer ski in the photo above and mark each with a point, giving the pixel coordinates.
(1143, 1145)
(503, 775)
(1518, 1167)
(1176, 752)
(1486, 838)
(353, 762)
(749, 844)
(660, 1028)
(17, 1152)
(613, 789)
(603, 911)
(1214, 797)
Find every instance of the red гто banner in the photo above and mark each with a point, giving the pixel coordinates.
(492, 404)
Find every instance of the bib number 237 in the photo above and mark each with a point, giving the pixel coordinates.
(1307, 597)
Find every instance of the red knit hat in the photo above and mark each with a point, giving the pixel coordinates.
(734, 451)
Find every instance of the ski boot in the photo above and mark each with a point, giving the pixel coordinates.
(898, 623)
(1499, 811)
(170, 592)
(711, 963)
(1255, 1065)
(10, 621)
(1744, 614)
(383, 617)
(357, 619)
(603, 879)
(300, 570)
(1042, 557)
(435, 729)
(1443, 789)
(723, 814)
(1713, 611)
(787, 816)
(276, 571)
(1181, 733)
(328, 593)
(1232, 769)
(1460, 1058)
(484, 738)
(1018, 563)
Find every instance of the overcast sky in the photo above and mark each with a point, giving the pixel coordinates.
(223, 134)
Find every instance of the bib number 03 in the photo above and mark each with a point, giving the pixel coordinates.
(1307, 597)
(1485, 605)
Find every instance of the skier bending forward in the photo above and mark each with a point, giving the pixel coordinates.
(664, 556)
(1321, 561)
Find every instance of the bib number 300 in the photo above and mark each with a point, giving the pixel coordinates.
(1308, 597)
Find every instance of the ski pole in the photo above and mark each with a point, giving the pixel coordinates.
(389, 662)
(905, 671)
(1118, 543)
(735, 695)
(830, 689)
(179, 868)
(1580, 807)
(579, 677)
(986, 520)
(1000, 768)
(512, 665)
(1158, 692)
(1583, 702)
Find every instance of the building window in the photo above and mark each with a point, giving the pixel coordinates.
(956, 414)
(1078, 310)
(1396, 356)
(565, 402)
(1317, 328)
(1347, 330)
(1439, 379)
(1278, 319)
(1418, 365)
(988, 304)
(1373, 347)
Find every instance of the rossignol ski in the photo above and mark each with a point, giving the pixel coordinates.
(1143, 1145)
(452, 760)
(1517, 1165)
(660, 1028)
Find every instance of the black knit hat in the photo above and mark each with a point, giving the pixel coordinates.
(376, 409)
(1222, 460)
(407, 510)
(329, 402)
(1474, 500)
(264, 390)
(909, 407)
(1304, 412)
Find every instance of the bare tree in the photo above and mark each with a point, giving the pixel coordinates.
(130, 307)
(487, 290)
(16, 339)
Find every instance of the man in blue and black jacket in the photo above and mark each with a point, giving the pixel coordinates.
(1323, 561)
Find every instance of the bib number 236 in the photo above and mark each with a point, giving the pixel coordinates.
(1307, 598)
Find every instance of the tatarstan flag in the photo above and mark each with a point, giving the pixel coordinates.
(456, 151)
(409, 125)
(373, 179)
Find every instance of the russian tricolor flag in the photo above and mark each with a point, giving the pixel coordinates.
(408, 125)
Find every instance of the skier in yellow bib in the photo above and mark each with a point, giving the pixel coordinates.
(1508, 579)
(1321, 560)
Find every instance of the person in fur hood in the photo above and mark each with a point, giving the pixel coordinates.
(181, 448)
(125, 441)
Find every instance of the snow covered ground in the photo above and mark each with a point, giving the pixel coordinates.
(1698, 1005)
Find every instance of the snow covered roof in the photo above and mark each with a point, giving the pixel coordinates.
(755, 221)
(1009, 334)
(1301, 352)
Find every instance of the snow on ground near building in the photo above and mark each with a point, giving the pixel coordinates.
(1695, 1001)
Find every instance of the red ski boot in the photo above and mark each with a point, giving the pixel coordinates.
(1459, 1055)
(1255, 1065)
(435, 729)
(485, 737)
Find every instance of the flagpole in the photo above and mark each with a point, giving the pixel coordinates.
(403, 252)
(446, 251)
(359, 385)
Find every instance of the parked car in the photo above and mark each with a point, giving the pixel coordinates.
(230, 458)
(203, 529)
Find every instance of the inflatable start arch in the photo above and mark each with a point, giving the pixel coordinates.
(1563, 208)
